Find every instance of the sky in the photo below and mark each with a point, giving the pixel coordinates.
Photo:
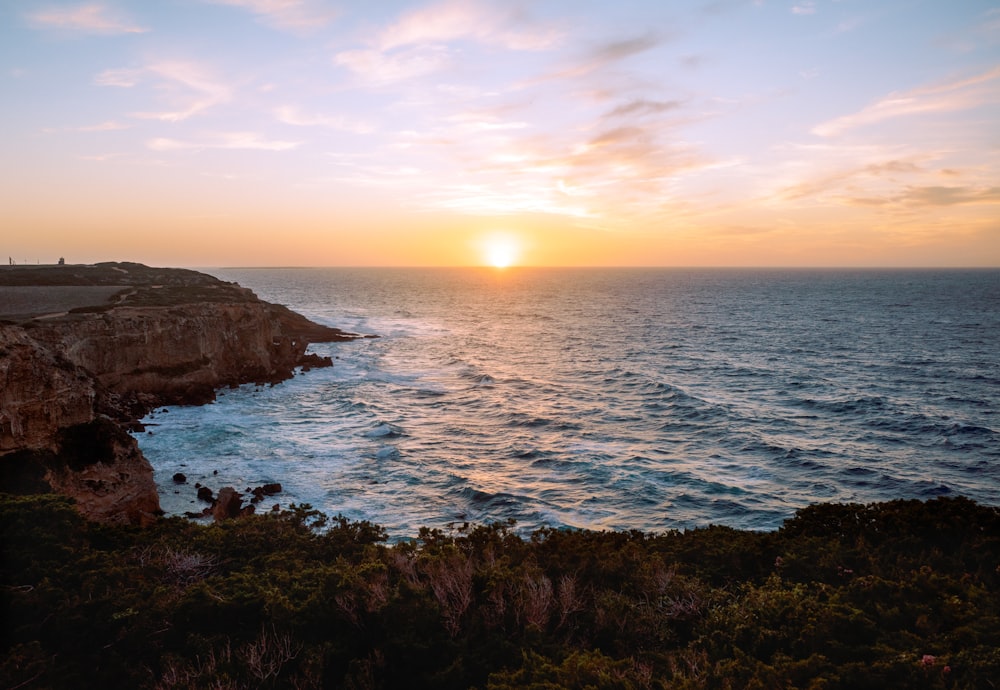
(469, 132)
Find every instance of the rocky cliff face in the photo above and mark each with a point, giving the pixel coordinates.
(40, 391)
(53, 439)
(176, 354)
(71, 383)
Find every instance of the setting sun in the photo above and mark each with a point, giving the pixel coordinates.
(500, 251)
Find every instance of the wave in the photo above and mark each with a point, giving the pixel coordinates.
(385, 431)
(611, 399)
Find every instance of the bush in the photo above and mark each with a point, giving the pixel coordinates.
(891, 595)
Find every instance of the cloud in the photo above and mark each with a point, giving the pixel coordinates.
(420, 42)
(893, 183)
(619, 50)
(469, 20)
(375, 176)
(511, 199)
(377, 67)
(850, 24)
(109, 126)
(94, 18)
(291, 115)
(187, 86)
(893, 167)
(295, 15)
(643, 107)
(226, 140)
(931, 197)
(950, 96)
(804, 7)
(849, 169)
(125, 77)
(190, 87)
(991, 21)
(601, 56)
(950, 196)
(605, 171)
(473, 122)
(101, 157)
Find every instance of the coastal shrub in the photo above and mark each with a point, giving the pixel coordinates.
(893, 595)
(586, 669)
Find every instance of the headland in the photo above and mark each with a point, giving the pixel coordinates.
(87, 350)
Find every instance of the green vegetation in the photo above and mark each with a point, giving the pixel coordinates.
(892, 595)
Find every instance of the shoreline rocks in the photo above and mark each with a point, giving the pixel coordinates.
(228, 504)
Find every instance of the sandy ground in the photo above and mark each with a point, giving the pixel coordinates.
(22, 302)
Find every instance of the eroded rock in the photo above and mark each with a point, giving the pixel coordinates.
(228, 504)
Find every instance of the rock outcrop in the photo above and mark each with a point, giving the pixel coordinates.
(40, 391)
(72, 383)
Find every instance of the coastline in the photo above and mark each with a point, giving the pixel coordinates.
(124, 339)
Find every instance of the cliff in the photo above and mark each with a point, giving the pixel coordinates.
(73, 381)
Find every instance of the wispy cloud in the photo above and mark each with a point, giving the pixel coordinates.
(377, 67)
(991, 21)
(838, 172)
(804, 7)
(602, 56)
(189, 87)
(642, 106)
(108, 126)
(619, 50)
(290, 115)
(296, 15)
(421, 42)
(510, 199)
(471, 20)
(950, 196)
(950, 96)
(473, 122)
(95, 18)
(929, 197)
(604, 170)
(123, 77)
(397, 177)
(225, 140)
(102, 157)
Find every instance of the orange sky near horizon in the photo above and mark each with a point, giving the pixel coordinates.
(310, 133)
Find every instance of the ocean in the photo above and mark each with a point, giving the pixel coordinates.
(618, 399)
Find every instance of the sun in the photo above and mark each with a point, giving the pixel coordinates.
(501, 251)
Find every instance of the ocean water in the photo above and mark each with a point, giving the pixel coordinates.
(643, 399)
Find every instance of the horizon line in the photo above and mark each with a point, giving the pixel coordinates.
(516, 267)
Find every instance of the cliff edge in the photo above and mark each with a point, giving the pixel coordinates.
(85, 351)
